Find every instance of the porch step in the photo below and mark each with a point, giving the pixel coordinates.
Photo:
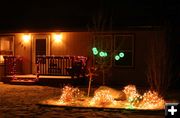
(22, 79)
(44, 80)
(23, 82)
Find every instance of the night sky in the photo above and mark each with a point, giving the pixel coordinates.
(79, 13)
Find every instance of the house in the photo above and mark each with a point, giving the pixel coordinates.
(56, 49)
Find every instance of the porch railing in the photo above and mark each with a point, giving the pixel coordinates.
(48, 65)
(60, 65)
(13, 65)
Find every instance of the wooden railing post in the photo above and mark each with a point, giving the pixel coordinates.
(38, 69)
(5, 64)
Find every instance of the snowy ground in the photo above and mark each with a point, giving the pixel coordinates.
(19, 101)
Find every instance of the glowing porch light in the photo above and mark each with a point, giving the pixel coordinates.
(26, 38)
(57, 37)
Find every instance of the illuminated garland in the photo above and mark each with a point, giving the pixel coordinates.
(104, 98)
(69, 94)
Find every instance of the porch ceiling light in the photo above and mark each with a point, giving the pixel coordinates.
(58, 37)
(26, 38)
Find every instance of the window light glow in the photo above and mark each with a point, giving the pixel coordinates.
(1, 59)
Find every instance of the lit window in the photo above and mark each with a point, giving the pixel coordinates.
(6, 46)
(119, 48)
(1, 59)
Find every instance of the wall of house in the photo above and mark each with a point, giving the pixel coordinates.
(79, 43)
(23, 49)
(72, 43)
(137, 74)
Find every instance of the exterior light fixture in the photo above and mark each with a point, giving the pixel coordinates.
(26, 38)
(58, 37)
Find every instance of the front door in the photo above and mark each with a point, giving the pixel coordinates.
(41, 46)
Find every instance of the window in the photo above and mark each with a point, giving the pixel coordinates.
(114, 44)
(103, 42)
(40, 47)
(124, 43)
(6, 46)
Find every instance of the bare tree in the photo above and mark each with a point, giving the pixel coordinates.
(101, 22)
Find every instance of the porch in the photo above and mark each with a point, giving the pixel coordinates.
(49, 69)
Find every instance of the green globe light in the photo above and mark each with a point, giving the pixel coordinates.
(121, 54)
(101, 54)
(117, 57)
(130, 106)
(105, 54)
(95, 52)
(94, 49)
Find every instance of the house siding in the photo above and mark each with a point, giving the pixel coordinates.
(24, 50)
(137, 74)
(80, 43)
(73, 43)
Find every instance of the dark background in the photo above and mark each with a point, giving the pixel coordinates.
(79, 13)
